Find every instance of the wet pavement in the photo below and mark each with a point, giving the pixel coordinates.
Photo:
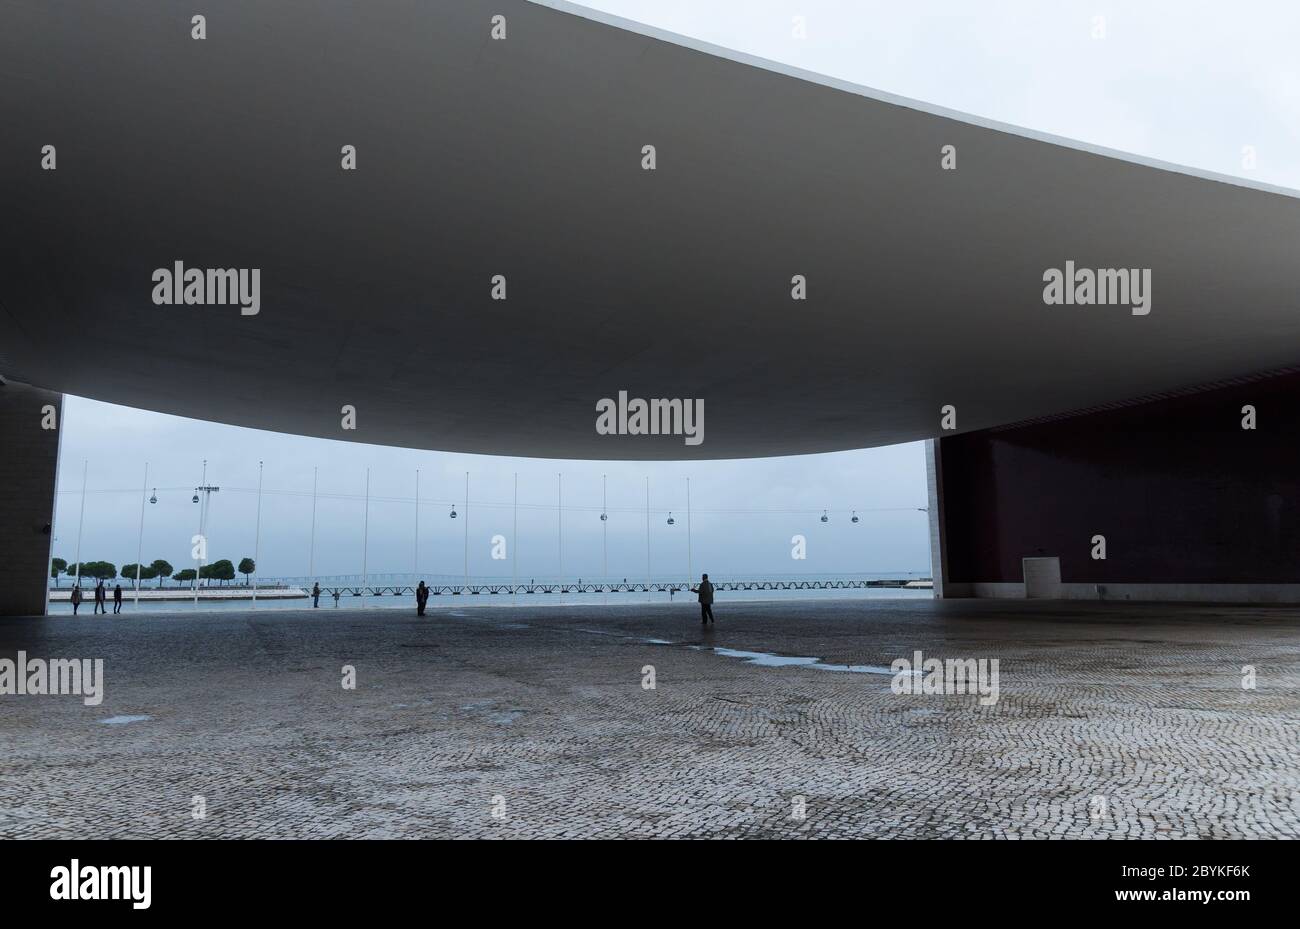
(1112, 720)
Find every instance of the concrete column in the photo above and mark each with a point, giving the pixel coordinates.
(938, 546)
(29, 461)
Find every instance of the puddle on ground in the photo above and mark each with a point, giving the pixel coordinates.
(769, 660)
(765, 659)
(500, 717)
(123, 720)
(630, 638)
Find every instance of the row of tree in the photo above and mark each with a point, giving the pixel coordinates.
(222, 570)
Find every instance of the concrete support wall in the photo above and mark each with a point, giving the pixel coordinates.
(938, 526)
(1192, 505)
(29, 459)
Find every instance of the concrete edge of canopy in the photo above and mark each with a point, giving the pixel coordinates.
(803, 74)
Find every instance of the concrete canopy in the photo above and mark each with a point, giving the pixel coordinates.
(522, 158)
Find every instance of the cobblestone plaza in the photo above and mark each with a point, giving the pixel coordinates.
(1113, 720)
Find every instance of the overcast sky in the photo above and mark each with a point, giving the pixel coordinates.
(1185, 82)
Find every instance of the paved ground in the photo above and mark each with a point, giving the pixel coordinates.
(539, 716)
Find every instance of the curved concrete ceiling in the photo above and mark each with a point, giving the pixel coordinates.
(523, 158)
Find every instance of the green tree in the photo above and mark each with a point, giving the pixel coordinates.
(146, 572)
(223, 570)
(100, 570)
(183, 575)
(57, 566)
(246, 567)
(161, 569)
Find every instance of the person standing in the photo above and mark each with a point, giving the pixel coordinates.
(117, 599)
(100, 597)
(315, 595)
(76, 598)
(705, 590)
(421, 598)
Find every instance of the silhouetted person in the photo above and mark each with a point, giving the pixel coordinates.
(421, 598)
(315, 594)
(705, 590)
(100, 595)
(76, 598)
(117, 599)
(336, 599)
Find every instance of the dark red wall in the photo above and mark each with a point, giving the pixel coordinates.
(1180, 491)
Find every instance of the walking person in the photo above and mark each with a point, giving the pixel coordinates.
(315, 595)
(117, 599)
(705, 590)
(421, 598)
(76, 598)
(100, 598)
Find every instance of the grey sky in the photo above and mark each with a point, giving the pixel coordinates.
(1185, 82)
